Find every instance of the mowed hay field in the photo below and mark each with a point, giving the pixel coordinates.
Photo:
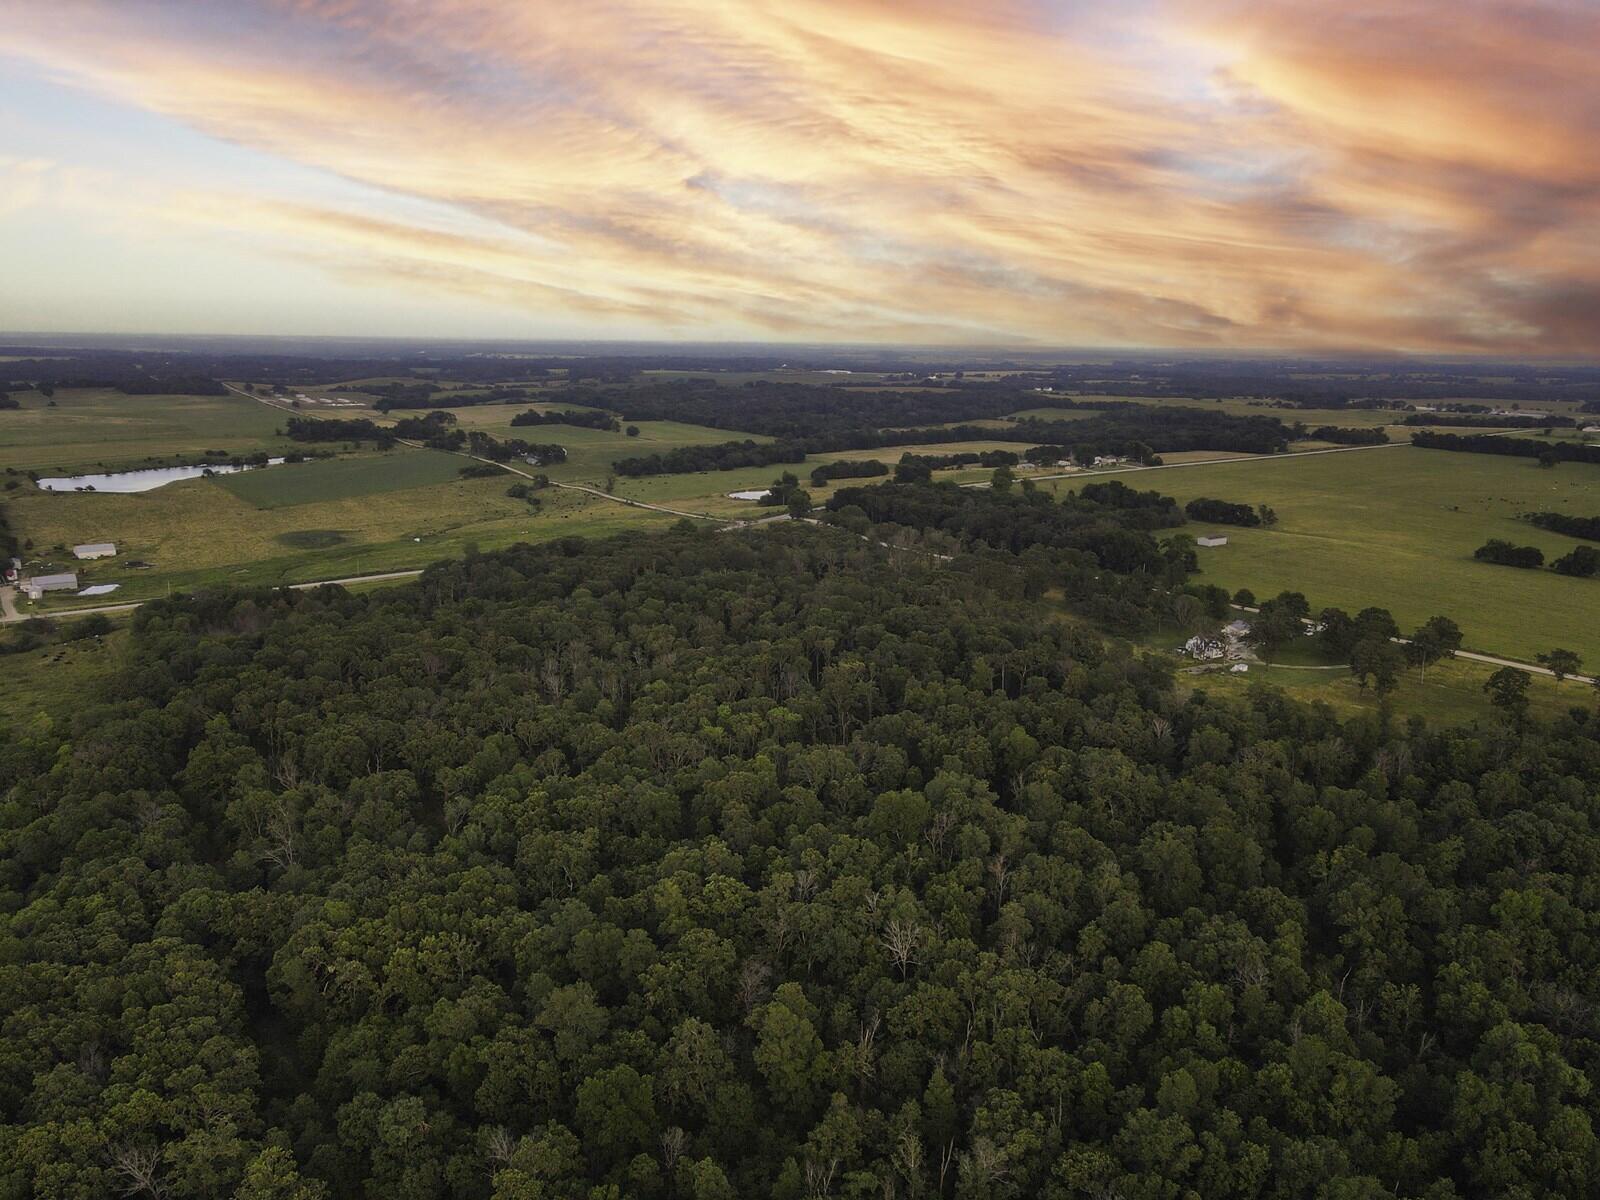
(1396, 527)
(93, 429)
(341, 478)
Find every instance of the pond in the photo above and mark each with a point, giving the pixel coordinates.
(140, 481)
(759, 494)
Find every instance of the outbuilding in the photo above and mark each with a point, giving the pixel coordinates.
(1211, 539)
(38, 585)
(95, 550)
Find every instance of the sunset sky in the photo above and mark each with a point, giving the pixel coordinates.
(1280, 175)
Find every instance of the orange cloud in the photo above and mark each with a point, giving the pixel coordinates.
(1273, 174)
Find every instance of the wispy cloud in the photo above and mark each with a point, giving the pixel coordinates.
(1277, 173)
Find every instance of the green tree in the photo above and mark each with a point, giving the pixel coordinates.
(788, 1050)
(1508, 691)
(1561, 663)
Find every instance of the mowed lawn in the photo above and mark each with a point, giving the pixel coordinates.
(1396, 528)
(93, 429)
(340, 478)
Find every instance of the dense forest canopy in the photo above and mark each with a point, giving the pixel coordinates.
(720, 865)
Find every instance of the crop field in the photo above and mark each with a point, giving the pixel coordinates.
(1397, 528)
(341, 478)
(93, 429)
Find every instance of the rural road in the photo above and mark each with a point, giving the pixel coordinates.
(11, 614)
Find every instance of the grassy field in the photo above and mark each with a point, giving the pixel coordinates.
(782, 375)
(49, 683)
(1349, 418)
(1451, 695)
(199, 532)
(1397, 528)
(94, 429)
(341, 478)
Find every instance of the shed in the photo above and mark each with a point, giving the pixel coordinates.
(37, 586)
(1211, 539)
(95, 550)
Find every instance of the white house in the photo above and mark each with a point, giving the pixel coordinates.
(95, 550)
(36, 587)
(1211, 539)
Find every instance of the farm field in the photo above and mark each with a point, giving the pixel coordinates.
(1349, 417)
(94, 429)
(739, 378)
(1397, 528)
(707, 491)
(341, 478)
(590, 452)
(199, 532)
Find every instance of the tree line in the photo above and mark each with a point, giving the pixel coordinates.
(1587, 528)
(1548, 453)
(1344, 436)
(720, 457)
(1580, 561)
(590, 419)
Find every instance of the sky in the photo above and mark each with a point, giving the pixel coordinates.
(1277, 175)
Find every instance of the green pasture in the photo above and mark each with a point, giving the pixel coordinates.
(94, 429)
(200, 532)
(1396, 528)
(46, 685)
(1452, 693)
(340, 478)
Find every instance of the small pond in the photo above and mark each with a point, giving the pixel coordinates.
(142, 480)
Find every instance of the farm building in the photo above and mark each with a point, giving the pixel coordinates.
(95, 550)
(37, 586)
(1211, 539)
(1205, 648)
